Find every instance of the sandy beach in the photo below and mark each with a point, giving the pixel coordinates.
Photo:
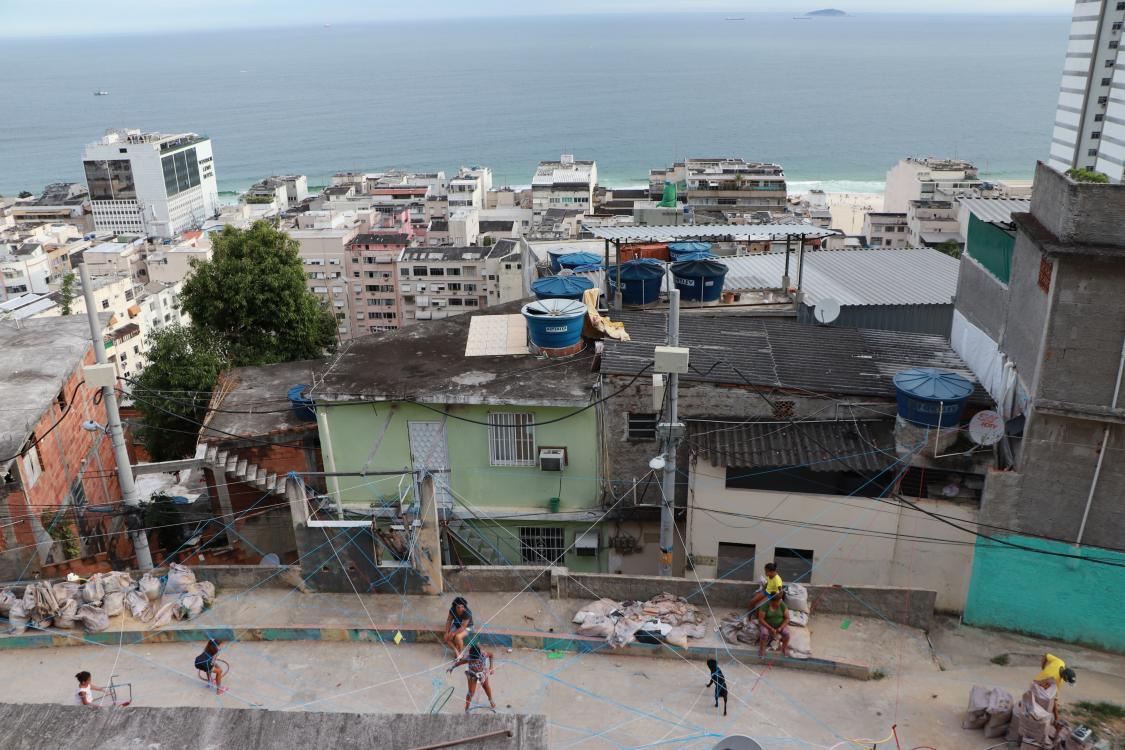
(848, 209)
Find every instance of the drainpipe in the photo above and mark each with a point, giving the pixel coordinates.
(1105, 446)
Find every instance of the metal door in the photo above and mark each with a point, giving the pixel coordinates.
(429, 452)
(736, 562)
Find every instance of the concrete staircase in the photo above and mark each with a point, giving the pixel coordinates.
(241, 470)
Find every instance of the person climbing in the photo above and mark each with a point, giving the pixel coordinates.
(773, 620)
(86, 688)
(458, 624)
(768, 585)
(480, 666)
(720, 683)
(205, 663)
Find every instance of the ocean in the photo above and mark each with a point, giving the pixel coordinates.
(835, 101)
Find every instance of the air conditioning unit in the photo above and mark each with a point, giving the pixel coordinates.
(552, 459)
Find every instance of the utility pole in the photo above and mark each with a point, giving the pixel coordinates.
(672, 431)
(116, 432)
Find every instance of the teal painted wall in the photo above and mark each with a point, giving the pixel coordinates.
(1055, 597)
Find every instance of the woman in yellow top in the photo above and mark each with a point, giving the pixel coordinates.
(1055, 671)
(771, 584)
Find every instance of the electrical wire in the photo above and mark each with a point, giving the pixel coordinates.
(50, 429)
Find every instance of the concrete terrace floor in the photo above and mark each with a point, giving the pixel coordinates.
(596, 700)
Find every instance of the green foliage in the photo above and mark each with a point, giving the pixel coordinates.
(1087, 175)
(251, 298)
(67, 293)
(259, 199)
(1101, 710)
(26, 194)
(173, 391)
(950, 248)
(61, 530)
(1001, 660)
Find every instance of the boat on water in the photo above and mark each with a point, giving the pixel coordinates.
(802, 18)
(101, 93)
(734, 19)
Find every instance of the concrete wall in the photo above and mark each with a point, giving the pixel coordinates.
(913, 607)
(1048, 596)
(1027, 311)
(822, 523)
(1078, 212)
(981, 297)
(35, 726)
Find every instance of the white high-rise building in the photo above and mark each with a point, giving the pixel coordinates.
(1090, 121)
(567, 183)
(153, 184)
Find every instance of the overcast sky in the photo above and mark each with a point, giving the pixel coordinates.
(39, 17)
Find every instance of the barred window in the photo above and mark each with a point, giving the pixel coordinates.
(511, 439)
(541, 546)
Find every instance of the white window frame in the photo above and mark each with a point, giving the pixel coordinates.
(511, 439)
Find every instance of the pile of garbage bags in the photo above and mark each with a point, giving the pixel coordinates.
(663, 618)
(1029, 721)
(742, 627)
(89, 604)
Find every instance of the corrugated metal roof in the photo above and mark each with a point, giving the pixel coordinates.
(867, 445)
(905, 276)
(734, 232)
(784, 353)
(996, 210)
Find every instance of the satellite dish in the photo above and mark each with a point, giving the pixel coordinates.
(737, 742)
(986, 428)
(826, 311)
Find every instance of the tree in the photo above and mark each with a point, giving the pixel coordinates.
(1079, 174)
(66, 293)
(173, 390)
(26, 194)
(950, 248)
(251, 296)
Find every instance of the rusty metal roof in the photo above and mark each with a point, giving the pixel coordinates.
(863, 445)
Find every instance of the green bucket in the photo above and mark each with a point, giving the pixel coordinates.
(553, 504)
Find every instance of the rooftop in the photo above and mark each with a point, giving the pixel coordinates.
(783, 353)
(444, 253)
(429, 365)
(905, 276)
(25, 306)
(39, 356)
(256, 404)
(381, 238)
(732, 232)
(63, 194)
(867, 445)
(497, 225)
(996, 210)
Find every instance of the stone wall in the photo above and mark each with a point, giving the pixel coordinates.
(35, 726)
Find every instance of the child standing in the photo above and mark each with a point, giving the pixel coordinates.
(480, 667)
(86, 688)
(205, 663)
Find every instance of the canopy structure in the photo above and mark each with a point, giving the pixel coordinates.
(729, 232)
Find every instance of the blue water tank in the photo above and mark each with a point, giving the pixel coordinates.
(561, 287)
(592, 268)
(678, 249)
(696, 256)
(553, 256)
(302, 406)
(640, 280)
(554, 323)
(574, 260)
(931, 397)
(699, 280)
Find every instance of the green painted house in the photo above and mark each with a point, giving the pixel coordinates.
(510, 439)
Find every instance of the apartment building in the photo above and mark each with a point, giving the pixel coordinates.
(152, 184)
(469, 188)
(436, 282)
(172, 264)
(933, 223)
(886, 230)
(567, 183)
(61, 202)
(371, 271)
(25, 267)
(1089, 129)
(117, 258)
(929, 179)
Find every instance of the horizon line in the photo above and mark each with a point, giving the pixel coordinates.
(516, 16)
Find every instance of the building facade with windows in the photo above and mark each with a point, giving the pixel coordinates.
(478, 424)
(151, 184)
(567, 184)
(928, 179)
(885, 230)
(58, 473)
(437, 282)
(372, 270)
(1089, 130)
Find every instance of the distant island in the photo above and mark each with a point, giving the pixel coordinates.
(827, 12)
